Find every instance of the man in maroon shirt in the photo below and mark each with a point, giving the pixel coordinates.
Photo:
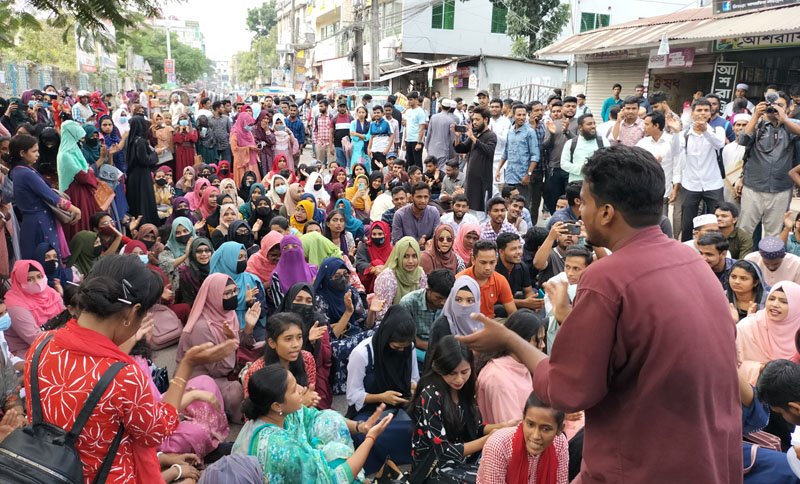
(648, 350)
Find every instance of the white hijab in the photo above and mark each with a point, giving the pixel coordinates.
(321, 194)
(122, 127)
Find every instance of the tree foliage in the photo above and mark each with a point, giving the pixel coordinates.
(260, 20)
(190, 63)
(262, 53)
(43, 44)
(534, 24)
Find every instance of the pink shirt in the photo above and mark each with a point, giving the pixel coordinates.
(789, 269)
(504, 385)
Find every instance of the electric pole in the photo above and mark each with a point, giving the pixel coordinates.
(358, 47)
(293, 67)
(375, 41)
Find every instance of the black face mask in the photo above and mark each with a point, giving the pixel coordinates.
(149, 243)
(241, 266)
(50, 266)
(338, 284)
(182, 212)
(248, 183)
(244, 239)
(161, 182)
(263, 212)
(223, 171)
(230, 303)
(318, 186)
(378, 241)
(183, 239)
(98, 250)
(92, 142)
(303, 310)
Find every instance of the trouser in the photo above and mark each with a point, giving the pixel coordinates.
(378, 157)
(413, 156)
(764, 207)
(554, 187)
(322, 153)
(691, 203)
(677, 212)
(498, 184)
(341, 158)
(225, 155)
(536, 188)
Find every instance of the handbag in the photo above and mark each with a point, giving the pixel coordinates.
(389, 473)
(167, 328)
(347, 146)
(63, 216)
(103, 195)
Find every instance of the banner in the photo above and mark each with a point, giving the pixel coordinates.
(724, 82)
(752, 42)
(680, 58)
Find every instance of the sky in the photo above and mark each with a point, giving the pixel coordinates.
(223, 23)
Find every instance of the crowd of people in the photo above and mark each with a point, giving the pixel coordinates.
(493, 287)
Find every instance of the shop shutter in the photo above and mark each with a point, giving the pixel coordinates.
(602, 75)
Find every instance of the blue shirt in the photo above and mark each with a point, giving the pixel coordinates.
(414, 118)
(563, 215)
(719, 121)
(298, 129)
(605, 112)
(522, 148)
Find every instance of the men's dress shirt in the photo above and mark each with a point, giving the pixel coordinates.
(630, 134)
(417, 305)
(572, 162)
(500, 127)
(770, 159)
(522, 148)
(697, 169)
(488, 233)
(405, 223)
(663, 149)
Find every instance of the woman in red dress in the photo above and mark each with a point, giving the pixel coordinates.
(184, 138)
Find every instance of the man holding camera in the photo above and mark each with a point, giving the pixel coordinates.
(765, 187)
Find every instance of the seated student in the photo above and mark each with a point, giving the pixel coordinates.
(497, 223)
(747, 292)
(452, 184)
(702, 224)
(510, 266)
(440, 254)
(30, 303)
(534, 239)
(372, 255)
(383, 370)
(448, 432)
(192, 274)
(790, 235)
(468, 234)
(280, 224)
(770, 333)
(463, 300)
(549, 260)
(399, 200)
(713, 246)
(494, 288)
(425, 306)
(417, 220)
(176, 250)
(504, 383)
(558, 301)
(533, 452)
(85, 249)
(291, 269)
(401, 275)
(510, 192)
(228, 213)
(459, 216)
(774, 262)
(739, 243)
(111, 239)
(570, 212)
(514, 214)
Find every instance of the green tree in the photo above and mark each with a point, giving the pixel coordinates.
(533, 24)
(43, 44)
(260, 20)
(262, 54)
(190, 63)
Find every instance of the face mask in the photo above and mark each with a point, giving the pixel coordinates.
(378, 241)
(204, 132)
(184, 122)
(318, 186)
(263, 212)
(280, 127)
(36, 287)
(161, 182)
(98, 250)
(181, 212)
(244, 239)
(280, 190)
(123, 119)
(92, 141)
(229, 304)
(241, 266)
(5, 322)
(248, 128)
(248, 183)
(50, 266)
(182, 239)
(149, 243)
(144, 258)
(338, 284)
(303, 310)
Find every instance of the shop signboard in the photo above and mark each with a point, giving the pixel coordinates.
(446, 71)
(752, 42)
(728, 6)
(724, 82)
(677, 58)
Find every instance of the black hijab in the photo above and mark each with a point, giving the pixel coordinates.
(246, 240)
(392, 367)
(306, 312)
(136, 146)
(265, 216)
(244, 188)
(47, 163)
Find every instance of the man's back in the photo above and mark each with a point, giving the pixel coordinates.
(649, 352)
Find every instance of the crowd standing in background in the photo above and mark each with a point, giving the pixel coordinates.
(494, 287)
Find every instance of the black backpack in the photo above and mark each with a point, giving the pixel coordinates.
(43, 453)
(574, 145)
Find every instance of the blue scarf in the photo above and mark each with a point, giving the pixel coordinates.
(352, 224)
(224, 261)
(334, 299)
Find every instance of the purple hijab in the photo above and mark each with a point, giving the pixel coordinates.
(175, 203)
(292, 266)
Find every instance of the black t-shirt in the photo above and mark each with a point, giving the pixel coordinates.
(555, 265)
(519, 278)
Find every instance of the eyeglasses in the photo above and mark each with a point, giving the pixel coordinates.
(445, 239)
(229, 294)
(203, 251)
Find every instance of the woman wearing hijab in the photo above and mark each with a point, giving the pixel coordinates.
(302, 214)
(228, 186)
(30, 303)
(5, 121)
(74, 177)
(148, 234)
(160, 137)
(319, 214)
(359, 197)
(441, 255)
(196, 195)
(285, 142)
(375, 185)
(97, 104)
(205, 141)
(180, 208)
(402, 274)
(17, 116)
(265, 140)
(213, 319)
(263, 262)
(280, 163)
(121, 117)
(231, 259)
(247, 181)
(49, 142)
(468, 234)
(90, 146)
(227, 215)
(140, 158)
(209, 203)
(186, 182)
(293, 196)
(255, 190)
(464, 299)
(316, 187)
(352, 224)
(277, 192)
(184, 138)
(261, 217)
(770, 333)
(383, 370)
(163, 191)
(291, 269)
(176, 250)
(747, 291)
(225, 172)
(359, 135)
(371, 257)
(113, 141)
(192, 274)
(243, 146)
(85, 249)
(50, 260)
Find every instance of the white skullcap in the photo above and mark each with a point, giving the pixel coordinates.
(742, 117)
(705, 219)
(742, 85)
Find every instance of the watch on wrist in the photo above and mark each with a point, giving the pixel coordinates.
(530, 173)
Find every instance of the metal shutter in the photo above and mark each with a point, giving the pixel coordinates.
(602, 75)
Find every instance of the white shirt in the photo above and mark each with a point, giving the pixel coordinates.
(696, 158)
(203, 112)
(382, 203)
(357, 371)
(732, 155)
(728, 112)
(468, 218)
(662, 148)
(603, 129)
(500, 127)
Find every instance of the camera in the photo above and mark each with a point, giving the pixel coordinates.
(771, 98)
(460, 128)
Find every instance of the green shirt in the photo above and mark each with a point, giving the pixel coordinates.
(572, 163)
(417, 305)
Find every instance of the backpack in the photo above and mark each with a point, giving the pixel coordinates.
(574, 145)
(43, 453)
(316, 120)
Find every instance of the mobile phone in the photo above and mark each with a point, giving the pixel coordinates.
(460, 128)
(540, 295)
(573, 229)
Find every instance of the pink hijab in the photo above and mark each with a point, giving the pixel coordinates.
(43, 305)
(244, 137)
(458, 244)
(259, 264)
(760, 339)
(208, 305)
(193, 197)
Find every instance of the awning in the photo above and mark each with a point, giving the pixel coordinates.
(691, 25)
(425, 65)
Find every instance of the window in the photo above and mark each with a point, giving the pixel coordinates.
(444, 15)
(391, 14)
(329, 30)
(499, 19)
(591, 21)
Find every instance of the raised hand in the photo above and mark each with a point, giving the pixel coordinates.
(316, 332)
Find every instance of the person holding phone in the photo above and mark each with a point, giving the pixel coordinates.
(550, 260)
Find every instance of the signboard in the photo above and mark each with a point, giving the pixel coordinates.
(776, 41)
(610, 55)
(724, 82)
(473, 81)
(727, 6)
(677, 58)
(447, 70)
(169, 66)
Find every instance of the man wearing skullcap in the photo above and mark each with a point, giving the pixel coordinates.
(774, 262)
(702, 224)
(740, 93)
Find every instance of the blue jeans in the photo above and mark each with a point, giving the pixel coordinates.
(341, 158)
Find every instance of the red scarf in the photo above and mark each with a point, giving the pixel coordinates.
(518, 467)
(74, 338)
